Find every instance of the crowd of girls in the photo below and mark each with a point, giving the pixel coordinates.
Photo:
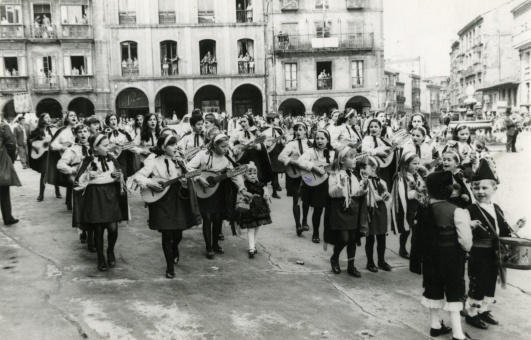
(356, 181)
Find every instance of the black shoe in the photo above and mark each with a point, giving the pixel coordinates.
(475, 321)
(69, 207)
(251, 253)
(299, 230)
(466, 337)
(278, 188)
(316, 239)
(488, 318)
(58, 195)
(102, 265)
(353, 271)
(305, 226)
(218, 250)
(441, 331)
(384, 266)
(210, 254)
(255, 251)
(335, 266)
(92, 249)
(83, 237)
(111, 259)
(40, 198)
(404, 254)
(276, 196)
(10, 222)
(372, 268)
(170, 274)
(221, 237)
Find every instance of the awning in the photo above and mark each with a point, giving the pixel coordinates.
(500, 84)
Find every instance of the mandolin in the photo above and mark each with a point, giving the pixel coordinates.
(214, 179)
(117, 149)
(150, 196)
(39, 147)
(313, 178)
(240, 148)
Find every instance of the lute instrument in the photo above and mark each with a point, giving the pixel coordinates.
(214, 179)
(150, 196)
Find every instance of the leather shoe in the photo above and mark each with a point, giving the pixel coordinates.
(251, 253)
(441, 331)
(278, 188)
(335, 266)
(221, 237)
(316, 239)
(488, 318)
(218, 250)
(372, 268)
(58, 196)
(10, 222)
(276, 196)
(210, 255)
(111, 259)
(102, 265)
(83, 237)
(353, 271)
(466, 337)
(384, 266)
(40, 198)
(176, 257)
(305, 227)
(170, 274)
(92, 249)
(299, 230)
(475, 321)
(404, 254)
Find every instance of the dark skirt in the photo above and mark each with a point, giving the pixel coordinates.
(172, 211)
(387, 173)
(40, 164)
(258, 214)
(215, 204)
(316, 196)
(54, 176)
(378, 220)
(101, 203)
(276, 165)
(293, 186)
(341, 218)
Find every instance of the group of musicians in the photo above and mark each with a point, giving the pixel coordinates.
(363, 182)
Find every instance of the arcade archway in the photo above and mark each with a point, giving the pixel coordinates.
(131, 102)
(324, 106)
(209, 98)
(83, 107)
(9, 110)
(171, 100)
(292, 107)
(50, 106)
(359, 103)
(247, 98)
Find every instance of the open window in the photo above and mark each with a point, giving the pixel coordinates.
(322, 29)
(43, 20)
(10, 14)
(129, 58)
(207, 55)
(246, 61)
(11, 66)
(324, 75)
(320, 3)
(167, 12)
(205, 11)
(75, 14)
(169, 63)
(244, 11)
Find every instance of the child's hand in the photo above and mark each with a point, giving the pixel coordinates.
(378, 198)
(267, 196)
(94, 174)
(386, 196)
(476, 224)
(465, 197)
(521, 223)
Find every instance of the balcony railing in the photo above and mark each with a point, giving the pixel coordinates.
(11, 31)
(130, 71)
(324, 84)
(46, 82)
(206, 17)
(358, 82)
(311, 42)
(400, 98)
(79, 83)
(170, 69)
(127, 18)
(13, 84)
(43, 32)
(289, 5)
(246, 67)
(76, 31)
(209, 68)
(355, 4)
(244, 16)
(291, 85)
(167, 18)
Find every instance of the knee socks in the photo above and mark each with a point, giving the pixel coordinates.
(316, 220)
(296, 211)
(369, 249)
(380, 247)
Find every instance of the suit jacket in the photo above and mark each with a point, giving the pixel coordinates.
(510, 126)
(19, 134)
(8, 141)
(8, 175)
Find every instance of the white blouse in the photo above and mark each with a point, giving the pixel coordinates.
(157, 168)
(210, 161)
(343, 133)
(240, 136)
(65, 139)
(71, 159)
(311, 155)
(292, 149)
(350, 189)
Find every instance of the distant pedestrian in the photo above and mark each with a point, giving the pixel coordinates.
(22, 132)
(8, 176)
(511, 131)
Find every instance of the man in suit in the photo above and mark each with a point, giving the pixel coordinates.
(511, 131)
(8, 149)
(22, 132)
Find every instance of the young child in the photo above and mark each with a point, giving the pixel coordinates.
(316, 196)
(488, 223)
(461, 143)
(195, 137)
(418, 146)
(442, 237)
(294, 149)
(482, 152)
(406, 198)
(380, 148)
(348, 214)
(377, 213)
(462, 195)
(259, 212)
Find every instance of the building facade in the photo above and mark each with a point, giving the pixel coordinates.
(325, 54)
(390, 82)
(522, 43)
(52, 50)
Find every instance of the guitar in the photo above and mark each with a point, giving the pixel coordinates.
(293, 170)
(313, 179)
(273, 141)
(240, 148)
(151, 196)
(214, 178)
(117, 149)
(398, 141)
(190, 153)
(39, 147)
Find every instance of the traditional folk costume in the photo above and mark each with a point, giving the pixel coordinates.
(370, 144)
(294, 149)
(63, 138)
(40, 164)
(440, 239)
(425, 151)
(174, 212)
(191, 140)
(259, 155)
(272, 132)
(344, 134)
(259, 213)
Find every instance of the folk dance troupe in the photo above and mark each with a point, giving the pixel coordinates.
(351, 179)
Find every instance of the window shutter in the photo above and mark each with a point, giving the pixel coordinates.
(68, 66)
(22, 66)
(1, 66)
(88, 65)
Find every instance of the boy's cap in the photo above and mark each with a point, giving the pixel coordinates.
(440, 185)
(484, 172)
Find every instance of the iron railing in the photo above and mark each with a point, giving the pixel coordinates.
(246, 67)
(167, 18)
(311, 42)
(76, 31)
(324, 84)
(79, 83)
(130, 71)
(209, 68)
(46, 82)
(127, 18)
(244, 16)
(13, 84)
(11, 31)
(43, 32)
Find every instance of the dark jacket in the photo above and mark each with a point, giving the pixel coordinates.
(18, 131)
(8, 147)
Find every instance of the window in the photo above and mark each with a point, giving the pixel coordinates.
(47, 73)
(322, 29)
(42, 22)
(129, 58)
(319, 4)
(167, 12)
(78, 63)
(356, 73)
(246, 61)
(207, 55)
(169, 59)
(10, 14)
(526, 59)
(244, 11)
(324, 75)
(74, 14)
(355, 32)
(205, 11)
(11, 66)
(290, 76)
(127, 12)
(527, 88)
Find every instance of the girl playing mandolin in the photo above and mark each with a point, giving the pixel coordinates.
(120, 137)
(172, 213)
(314, 160)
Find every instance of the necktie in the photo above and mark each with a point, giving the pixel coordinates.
(103, 163)
(247, 134)
(167, 166)
(152, 139)
(375, 141)
(417, 148)
(115, 133)
(349, 134)
(300, 146)
(415, 177)
(84, 150)
(49, 129)
(196, 140)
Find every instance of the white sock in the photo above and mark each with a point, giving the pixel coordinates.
(435, 319)
(255, 236)
(250, 238)
(457, 329)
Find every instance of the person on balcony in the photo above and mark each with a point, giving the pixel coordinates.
(320, 79)
(251, 65)
(240, 63)
(165, 66)
(174, 66)
(135, 62)
(4, 21)
(249, 12)
(14, 73)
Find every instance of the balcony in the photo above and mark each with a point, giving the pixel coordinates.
(13, 84)
(76, 31)
(243, 16)
(324, 84)
(43, 32)
(170, 68)
(129, 70)
(209, 68)
(400, 99)
(167, 18)
(355, 4)
(206, 17)
(46, 84)
(245, 67)
(11, 31)
(286, 43)
(289, 5)
(79, 84)
(127, 18)
(291, 85)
